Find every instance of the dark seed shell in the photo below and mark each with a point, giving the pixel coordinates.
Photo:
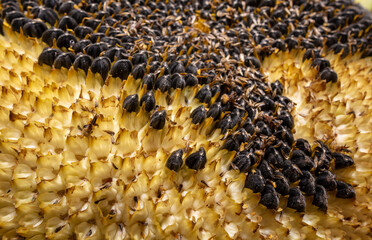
(255, 181)
(48, 56)
(175, 161)
(157, 120)
(121, 69)
(342, 160)
(51, 34)
(198, 115)
(102, 66)
(197, 160)
(344, 190)
(83, 62)
(64, 60)
(34, 29)
(269, 197)
(296, 200)
(320, 197)
(130, 103)
(149, 100)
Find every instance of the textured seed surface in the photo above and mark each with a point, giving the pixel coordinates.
(75, 164)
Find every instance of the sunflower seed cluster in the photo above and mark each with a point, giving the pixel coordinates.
(217, 48)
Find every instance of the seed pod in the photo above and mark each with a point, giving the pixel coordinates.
(241, 136)
(320, 198)
(204, 94)
(269, 197)
(197, 160)
(266, 170)
(66, 7)
(216, 88)
(320, 64)
(149, 80)
(225, 124)
(284, 148)
(340, 48)
(322, 156)
(81, 45)
(327, 180)
(273, 157)
(66, 40)
(342, 160)
(304, 146)
(252, 62)
(178, 81)
(249, 127)
(191, 80)
(95, 49)
(116, 53)
(299, 32)
(163, 83)
(48, 56)
(52, 4)
(18, 23)
(130, 103)
(121, 69)
(268, 105)
(287, 119)
(303, 161)
(83, 62)
(27, 5)
(307, 183)
(139, 58)
(154, 66)
(67, 22)
(78, 15)
(281, 183)
(277, 87)
(198, 115)
(34, 28)
(10, 16)
(263, 129)
(328, 75)
(344, 190)
(102, 66)
(139, 71)
(291, 42)
(175, 161)
(279, 44)
(8, 7)
(275, 34)
(243, 160)
(176, 67)
(45, 14)
(215, 110)
(231, 144)
(290, 171)
(82, 31)
(192, 69)
(149, 100)
(282, 100)
(51, 34)
(296, 200)
(112, 41)
(311, 54)
(64, 60)
(255, 181)
(157, 120)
